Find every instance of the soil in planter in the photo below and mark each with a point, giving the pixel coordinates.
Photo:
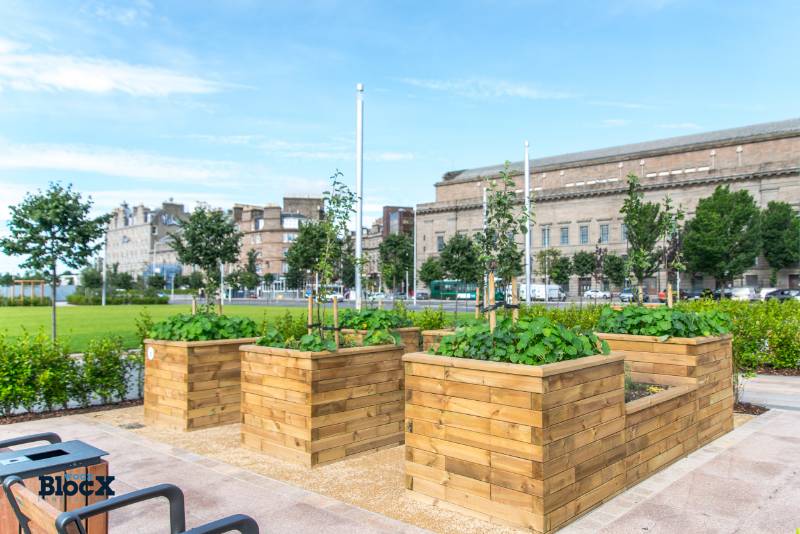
(638, 390)
(750, 409)
(33, 416)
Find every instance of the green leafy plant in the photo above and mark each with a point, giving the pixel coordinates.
(105, 369)
(529, 341)
(663, 322)
(380, 337)
(203, 327)
(374, 319)
(429, 319)
(307, 342)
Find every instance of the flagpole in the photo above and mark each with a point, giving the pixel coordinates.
(359, 184)
(528, 228)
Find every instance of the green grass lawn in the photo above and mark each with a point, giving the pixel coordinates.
(79, 324)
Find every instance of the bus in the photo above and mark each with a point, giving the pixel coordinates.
(458, 290)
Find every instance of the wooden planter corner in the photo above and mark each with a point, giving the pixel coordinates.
(190, 385)
(432, 338)
(409, 336)
(531, 446)
(703, 362)
(318, 407)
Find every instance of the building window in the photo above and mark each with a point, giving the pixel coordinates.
(258, 224)
(604, 233)
(154, 230)
(289, 238)
(584, 235)
(546, 236)
(565, 235)
(624, 232)
(439, 243)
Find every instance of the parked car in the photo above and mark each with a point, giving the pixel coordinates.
(743, 293)
(596, 294)
(764, 291)
(423, 295)
(784, 294)
(377, 296)
(627, 295)
(697, 294)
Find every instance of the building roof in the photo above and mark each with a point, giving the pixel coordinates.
(754, 132)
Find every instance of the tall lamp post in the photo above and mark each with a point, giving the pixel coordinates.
(105, 269)
(414, 274)
(528, 226)
(359, 182)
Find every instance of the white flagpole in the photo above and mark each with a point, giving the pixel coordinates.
(359, 183)
(414, 287)
(528, 226)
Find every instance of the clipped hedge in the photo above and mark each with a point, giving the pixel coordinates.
(203, 327)
(26, 301)
(37, 373)
(374, 319)
(115, 300)
(663, 322)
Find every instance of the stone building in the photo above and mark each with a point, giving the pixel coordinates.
(578, 196)
(394, 220)
(138, 242)
(270, 230)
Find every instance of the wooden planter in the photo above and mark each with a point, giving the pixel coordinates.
(192, 384)
(704, 362)
(318, 407)
(432, 338)
(537, 446)
(409, 336)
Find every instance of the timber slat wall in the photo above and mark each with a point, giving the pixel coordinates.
(409, 337)
(192, 384)
(432, 338)
(537, 446)
(315, 408)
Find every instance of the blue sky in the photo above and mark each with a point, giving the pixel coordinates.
(245, 101)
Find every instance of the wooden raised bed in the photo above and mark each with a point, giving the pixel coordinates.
(192, 384)
(704, 362)
(318, 407)
(537, 446)
(409, 336)
(432, 338)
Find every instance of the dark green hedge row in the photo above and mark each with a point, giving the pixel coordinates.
(92, 300)
(26, 301)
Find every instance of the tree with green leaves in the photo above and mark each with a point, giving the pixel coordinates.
(431, 270)
(6, 279)
(304, 252)
(195, 281)
(646, 225)
(544, 263)
(600, 254)
(497, 242)
(156, 281)
(51, 228)
(208, 239)
(348, 263)
(91, 278)
(583, 263)
(724, 237)
(560, 270)
(614, 269)
(460, 259)
(249, 278)
(780, 232)
(673, 237)
(396, 258)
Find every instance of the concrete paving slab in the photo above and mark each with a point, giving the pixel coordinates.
(212, 489)
(773, 391)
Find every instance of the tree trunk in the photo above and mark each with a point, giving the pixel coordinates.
(640, 291)
(53, 286)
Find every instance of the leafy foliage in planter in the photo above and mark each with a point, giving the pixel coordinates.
(313, 342)
(203, 327)
(583, 317)
(534, 342)
(429, 319)
(663, 322)
(374, 319)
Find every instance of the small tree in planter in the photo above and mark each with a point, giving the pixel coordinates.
(499, 252)
(672, 252)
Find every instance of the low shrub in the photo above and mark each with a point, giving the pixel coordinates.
(25, 301)
(289, 325)
(116, 300)
(663, 322)
(105, 369)
(429, 319)
(373, 319)
(584, 317)
(533, 341)
(203, 327)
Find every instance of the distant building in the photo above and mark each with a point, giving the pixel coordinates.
(138, 242)
(270, 230)
(395, 220)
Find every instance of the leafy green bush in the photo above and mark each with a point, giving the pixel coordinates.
(288, 325)
(307, 342)
(429, 319)
(380, 337)
(530, 341)
(26, 301)
(584, 317)
(203, 327)
(116, 300)
(105, 369)
(373, 319)
(764, 333)
(663, 322)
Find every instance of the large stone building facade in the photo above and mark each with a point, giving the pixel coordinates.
(577, 197)
(270, 230)
(394, 220)
(138, 239)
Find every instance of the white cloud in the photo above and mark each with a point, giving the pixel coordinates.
(136, 13)
(487, 88)
(118, 162)
(680, 126)
(620, 104)
(50, 72)
(616, 122)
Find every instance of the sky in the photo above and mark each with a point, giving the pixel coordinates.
(239, 101)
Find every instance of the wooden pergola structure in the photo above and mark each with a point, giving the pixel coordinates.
(32, 284)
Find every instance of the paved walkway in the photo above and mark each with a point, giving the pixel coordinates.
(212, 489)
(773, 391)
(747, 481)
